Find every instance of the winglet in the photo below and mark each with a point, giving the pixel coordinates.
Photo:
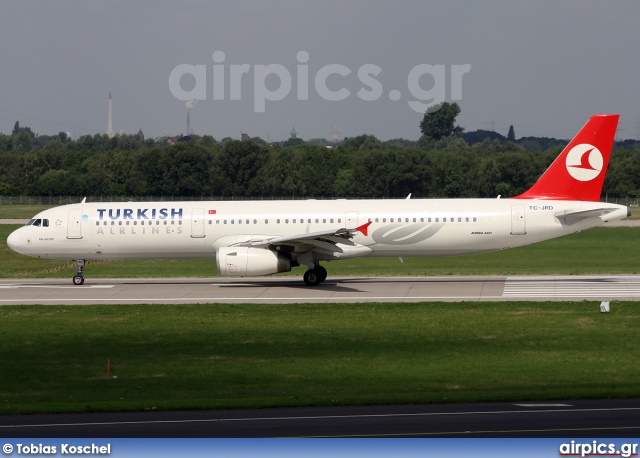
(364, 228)
(578, 172)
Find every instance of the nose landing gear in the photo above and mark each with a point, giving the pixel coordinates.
(78, 279)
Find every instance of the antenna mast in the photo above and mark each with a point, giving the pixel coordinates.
(110, 133)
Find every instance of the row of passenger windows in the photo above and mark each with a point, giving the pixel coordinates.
(45, 222)
(339, 220)
(279, 221)
(429, 220)
(135, 223)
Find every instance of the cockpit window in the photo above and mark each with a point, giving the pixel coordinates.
(39, 222)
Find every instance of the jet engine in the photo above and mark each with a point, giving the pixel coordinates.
(246, 261)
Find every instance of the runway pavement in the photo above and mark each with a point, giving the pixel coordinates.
(575, 419)
(269, 290)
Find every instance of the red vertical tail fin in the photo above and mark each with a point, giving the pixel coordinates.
(578, 172)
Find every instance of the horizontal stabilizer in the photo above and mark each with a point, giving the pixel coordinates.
(572, 217)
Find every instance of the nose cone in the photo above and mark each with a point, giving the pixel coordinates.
(14, 241)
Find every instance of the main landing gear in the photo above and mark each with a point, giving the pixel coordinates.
(315, 276)
(78, 279)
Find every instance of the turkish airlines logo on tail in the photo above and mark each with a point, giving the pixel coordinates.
(584, 162)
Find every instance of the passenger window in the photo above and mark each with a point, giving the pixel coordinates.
(97, 223)
(391, 220)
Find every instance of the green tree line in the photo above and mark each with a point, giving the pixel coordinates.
(360, 167)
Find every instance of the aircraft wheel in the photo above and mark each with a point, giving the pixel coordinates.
(322, 273)
(311, 277)
(78, 280)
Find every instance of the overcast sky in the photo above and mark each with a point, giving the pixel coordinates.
(543, 66)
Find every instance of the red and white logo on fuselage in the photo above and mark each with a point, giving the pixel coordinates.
(584, 162)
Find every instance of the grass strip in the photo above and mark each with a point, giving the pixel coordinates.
(54, 358)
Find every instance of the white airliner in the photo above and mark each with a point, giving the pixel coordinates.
(265, 237)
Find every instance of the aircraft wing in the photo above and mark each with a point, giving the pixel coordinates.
(332, 241)
(334, 236)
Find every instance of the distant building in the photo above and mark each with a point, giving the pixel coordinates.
(166, 140)
(294, 134)
(172, 140)
(244, 136)
(140, 135)
(189, 138)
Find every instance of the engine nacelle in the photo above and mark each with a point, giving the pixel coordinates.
(246, 261)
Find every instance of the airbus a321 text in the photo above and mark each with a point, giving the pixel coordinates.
(266, 237)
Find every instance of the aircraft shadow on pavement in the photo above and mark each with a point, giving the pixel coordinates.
(327, 286)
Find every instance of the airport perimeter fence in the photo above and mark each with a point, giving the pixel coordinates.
(64, 200)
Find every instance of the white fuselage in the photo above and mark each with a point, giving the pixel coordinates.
(415, 227)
